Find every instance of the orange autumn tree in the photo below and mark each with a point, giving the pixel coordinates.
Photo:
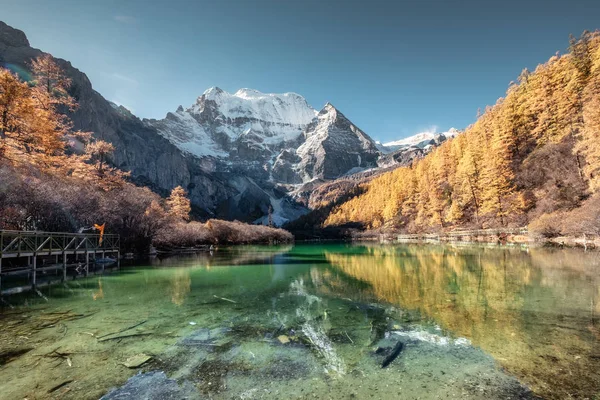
(33, 116)
(178, 205)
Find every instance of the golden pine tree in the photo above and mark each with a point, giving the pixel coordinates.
(178, 205)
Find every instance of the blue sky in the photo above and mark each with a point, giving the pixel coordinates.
(394, 68)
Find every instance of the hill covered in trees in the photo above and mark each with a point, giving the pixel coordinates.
(532, 158)
(56, 178)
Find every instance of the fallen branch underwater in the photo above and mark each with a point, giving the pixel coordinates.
(55, 388)
(126, 336)
(123, 330)
(224, 298)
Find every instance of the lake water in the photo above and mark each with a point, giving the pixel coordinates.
(315, 321)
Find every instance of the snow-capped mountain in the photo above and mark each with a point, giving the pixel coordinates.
(280, 136)
(419, 140)
(248, 123)
(262, 143)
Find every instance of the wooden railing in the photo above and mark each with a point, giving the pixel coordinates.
(20, 251)
(27, 243)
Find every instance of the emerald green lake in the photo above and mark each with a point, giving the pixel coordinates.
(335, 321)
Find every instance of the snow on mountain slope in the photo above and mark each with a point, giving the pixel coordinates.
(286, 108)
(186, 133)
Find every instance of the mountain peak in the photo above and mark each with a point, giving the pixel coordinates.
(329, 112)
(251, 104)
(213, 91)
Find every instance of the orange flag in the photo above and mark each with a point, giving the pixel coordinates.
(101, 229)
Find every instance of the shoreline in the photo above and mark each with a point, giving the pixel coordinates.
(584, 241)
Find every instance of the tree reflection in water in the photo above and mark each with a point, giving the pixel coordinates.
(535, 310)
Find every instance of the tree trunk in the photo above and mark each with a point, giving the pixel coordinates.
(474, 200)
(101, 162)
(579, 168)
(4, 122)
(501, 211)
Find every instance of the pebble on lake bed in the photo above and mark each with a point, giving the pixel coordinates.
(283, 339)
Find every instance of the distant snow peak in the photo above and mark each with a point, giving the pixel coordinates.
(414, 139)
(421, 139)
(452, 132)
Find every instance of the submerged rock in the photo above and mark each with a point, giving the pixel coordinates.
(394, 353)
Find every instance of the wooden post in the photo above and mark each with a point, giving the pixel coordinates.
(64, 267)
(34, 270)
(87, 262)
(0, 270)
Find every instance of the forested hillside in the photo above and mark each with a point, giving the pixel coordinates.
(55, 178)
(532, 158)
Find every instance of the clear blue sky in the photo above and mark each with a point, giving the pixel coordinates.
(393, 67)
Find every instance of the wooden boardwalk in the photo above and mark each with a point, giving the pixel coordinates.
(34, 259)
